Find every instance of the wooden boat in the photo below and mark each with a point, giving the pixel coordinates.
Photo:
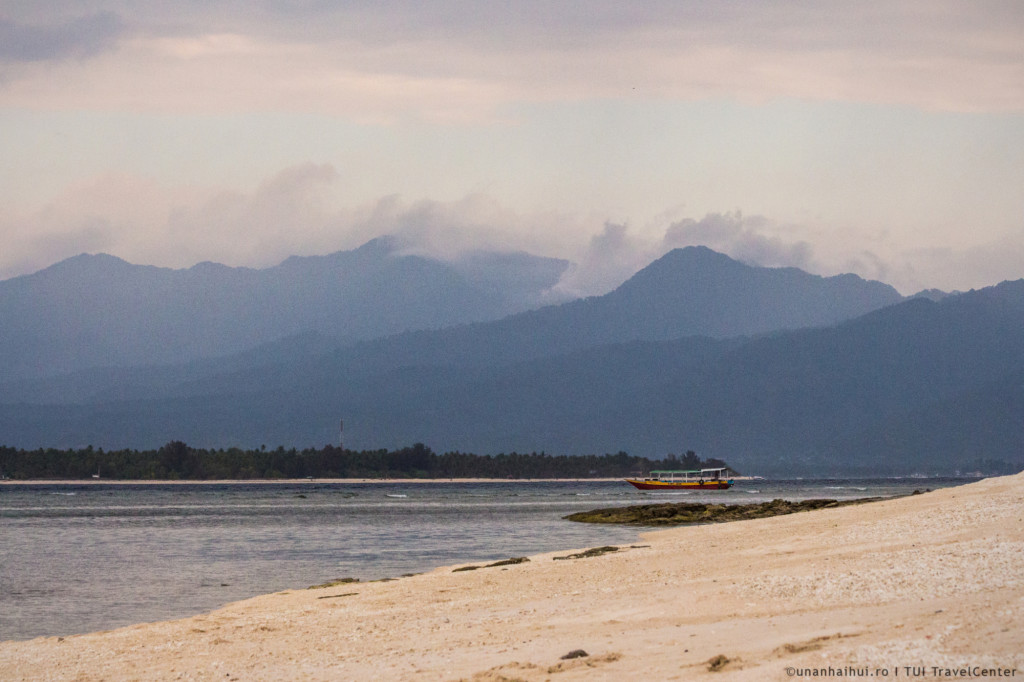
(696, 479)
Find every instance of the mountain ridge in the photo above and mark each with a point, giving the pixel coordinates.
(793, 403)
(96, 310)
(686, 292)
(919, 385)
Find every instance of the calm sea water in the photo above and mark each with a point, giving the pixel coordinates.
(92, 557)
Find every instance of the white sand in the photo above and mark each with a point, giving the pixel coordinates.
(933, 581)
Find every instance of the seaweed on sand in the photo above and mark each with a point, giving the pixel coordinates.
(503, 562)
(332, 583)
(586, 554)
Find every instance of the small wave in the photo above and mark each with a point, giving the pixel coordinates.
(752, 492)
(66, 494)
(396, 495)
(835, 487)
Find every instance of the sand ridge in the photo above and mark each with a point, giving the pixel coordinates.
(926, 583)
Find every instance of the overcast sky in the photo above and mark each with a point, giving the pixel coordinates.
(884, 138)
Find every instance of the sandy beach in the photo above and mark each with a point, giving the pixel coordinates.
(921, 587)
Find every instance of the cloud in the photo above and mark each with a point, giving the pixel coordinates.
(297, 211)
(294, 212)
(75, 38)
(114, 213)
(450, 61)
(973, 267)
(611, 257)
(285, 215)
(742, 237)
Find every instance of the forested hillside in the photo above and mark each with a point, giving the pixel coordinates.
(177, 461)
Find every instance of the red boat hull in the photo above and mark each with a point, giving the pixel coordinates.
(688, 485)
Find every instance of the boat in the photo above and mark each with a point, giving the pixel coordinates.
(695, 479)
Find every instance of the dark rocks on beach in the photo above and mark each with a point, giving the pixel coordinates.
(594, 551)
(575, 653)
(673, 514)
(503, 562)
(508, 562)
(335, 596)
(332, 583)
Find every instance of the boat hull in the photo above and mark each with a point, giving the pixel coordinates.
(679, 485)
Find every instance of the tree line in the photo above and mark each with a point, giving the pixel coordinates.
(178, 461)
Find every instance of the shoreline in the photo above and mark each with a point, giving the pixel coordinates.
(306, 481)
(931, 579)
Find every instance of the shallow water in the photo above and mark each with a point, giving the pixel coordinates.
(92, 557)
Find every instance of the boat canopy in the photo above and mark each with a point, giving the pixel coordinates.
(689, 473)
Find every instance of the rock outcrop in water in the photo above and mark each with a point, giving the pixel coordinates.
(681, 513)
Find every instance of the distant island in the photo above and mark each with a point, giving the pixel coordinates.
(177, 461)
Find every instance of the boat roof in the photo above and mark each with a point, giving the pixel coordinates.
(687, 471)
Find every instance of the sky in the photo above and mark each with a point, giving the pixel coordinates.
(884, 138)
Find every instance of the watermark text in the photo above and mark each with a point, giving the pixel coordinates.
(904, 672)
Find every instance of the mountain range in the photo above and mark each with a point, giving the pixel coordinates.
(99, 311)
(773, 370)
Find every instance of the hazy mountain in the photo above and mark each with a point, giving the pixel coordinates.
(688, 292)
(98, 310)
(698, 291)
(919, 386)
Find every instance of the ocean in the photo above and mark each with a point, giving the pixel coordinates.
(81, 558)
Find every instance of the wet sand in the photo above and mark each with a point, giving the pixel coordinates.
(918, 587)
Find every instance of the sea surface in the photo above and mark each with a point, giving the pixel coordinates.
(80, 558)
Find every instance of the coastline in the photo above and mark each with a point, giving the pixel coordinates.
(927, 580)
(305, 481)
(290, 481)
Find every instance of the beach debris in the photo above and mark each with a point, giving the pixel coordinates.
(718, 662)
(681, 513)
(332, 583)
(509, 562)
(584, 660)
(811, 644)
(335, 596)
(507, 672)
(503, 562)
(515, 670)
(575, 653)
(593, 551)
